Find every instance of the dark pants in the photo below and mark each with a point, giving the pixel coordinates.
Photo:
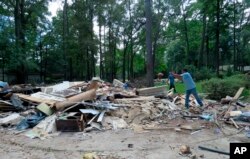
(194, 92)
(172, 86)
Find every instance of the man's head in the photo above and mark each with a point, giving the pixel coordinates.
(184, 70)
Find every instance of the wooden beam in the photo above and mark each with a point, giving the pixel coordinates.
(152, 91)
(234, 123)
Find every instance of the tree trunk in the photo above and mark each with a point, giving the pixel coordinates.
(20, 22)
(91, 35)
(88, 63)
(186, 36)
(207, 49)
(17, 24)
(203, 36)
(104, 55)
(150, 69)
(45, 64)
(100, 51)
(124, 60)
(114, 61)
(217, 35)
(109, 61)
(234, 40)
(131, 65)
(65, 38)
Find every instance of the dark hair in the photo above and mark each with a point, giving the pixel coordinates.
(185, 70)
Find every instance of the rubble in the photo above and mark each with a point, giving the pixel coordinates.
(99, 106)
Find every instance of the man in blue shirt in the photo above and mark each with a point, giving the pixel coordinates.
(190, 87)
(171, 81)
(4, 87)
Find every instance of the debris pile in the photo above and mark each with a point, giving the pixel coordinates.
(99, 106)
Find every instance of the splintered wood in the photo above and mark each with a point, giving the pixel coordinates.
(148, 110)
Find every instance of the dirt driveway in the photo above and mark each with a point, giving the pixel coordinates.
(156, 144)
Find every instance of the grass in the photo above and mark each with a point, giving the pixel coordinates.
(180, 88)
(246, 94)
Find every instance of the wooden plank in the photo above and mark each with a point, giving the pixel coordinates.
(148, 98)
(239, 123)
(237, 95)
(152, 91)
(157, 128)
(117, 83)
(227, 114)
(88, 95)
(41, 95)
(234, 123)
(35, 100)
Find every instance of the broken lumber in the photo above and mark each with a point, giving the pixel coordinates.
(157, 128)
(237, 95)
(230, 100)
(118, 83)
(239, 123)
(232, 120)
(227, 114)
(152, 91)
(35, 100)
(88, 95)
(149, 98)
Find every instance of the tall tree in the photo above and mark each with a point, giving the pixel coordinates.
(217, 38)
(150, 66)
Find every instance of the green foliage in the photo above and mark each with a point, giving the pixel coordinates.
(180, 87)
(220, 88)
(229, 71)
(49, 49)
(200, 74)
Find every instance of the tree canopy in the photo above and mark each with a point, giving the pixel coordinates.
(122, 39)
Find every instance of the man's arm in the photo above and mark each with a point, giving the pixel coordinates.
(177, 76)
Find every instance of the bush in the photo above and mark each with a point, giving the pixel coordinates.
(220, 88)
(203, 73)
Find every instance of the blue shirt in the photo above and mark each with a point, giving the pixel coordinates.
(171, 78)
(188, 81)
(4, 86)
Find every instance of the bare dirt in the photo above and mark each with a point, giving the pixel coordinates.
(119, 144)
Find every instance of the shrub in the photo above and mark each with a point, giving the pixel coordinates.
(220, 88)
(200, 74)
(204, 74)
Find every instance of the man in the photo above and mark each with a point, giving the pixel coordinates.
(4, 87)
(189, 85)
(171, 81)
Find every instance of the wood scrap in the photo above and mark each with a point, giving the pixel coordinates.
(237, 95)
(88, 95)
(227, 114)
(157, 128)
(35, 100)
(152, 91)
(235, 113)
(232, 120)
(148, 98)
(118, 83)
(239, 123)
(189, 127)
(241, 104)
(230, 100)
